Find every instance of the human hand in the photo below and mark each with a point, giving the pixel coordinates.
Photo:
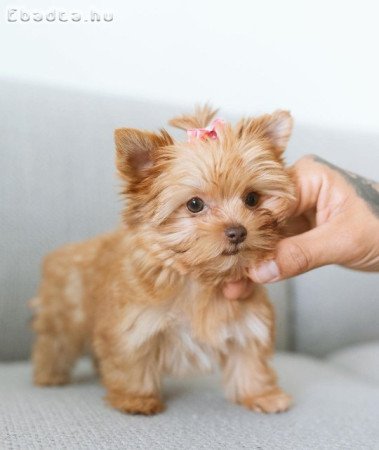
(339, 212)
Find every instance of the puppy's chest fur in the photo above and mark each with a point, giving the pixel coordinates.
(171, 331)
(192, 331)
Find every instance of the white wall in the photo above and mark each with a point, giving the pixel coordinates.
(319, 59)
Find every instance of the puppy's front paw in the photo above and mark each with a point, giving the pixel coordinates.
(273, 401)
(135, 404)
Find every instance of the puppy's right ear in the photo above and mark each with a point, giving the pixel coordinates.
(136, 150)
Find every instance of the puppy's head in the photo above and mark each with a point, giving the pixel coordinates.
(213, 206)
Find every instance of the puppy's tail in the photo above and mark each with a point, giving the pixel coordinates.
(201, 117)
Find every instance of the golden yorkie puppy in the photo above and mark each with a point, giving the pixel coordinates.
(147, 298)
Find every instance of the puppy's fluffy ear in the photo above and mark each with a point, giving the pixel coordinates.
(136, 150)
(275, 127)
(199, 119)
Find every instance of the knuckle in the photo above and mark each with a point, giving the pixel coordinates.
(354, 241)
(299, 257)
(304, 163)
(310, 157)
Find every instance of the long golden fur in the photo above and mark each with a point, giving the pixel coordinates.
(147, 298)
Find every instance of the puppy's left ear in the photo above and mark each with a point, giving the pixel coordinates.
(136, 150)
(275, 127)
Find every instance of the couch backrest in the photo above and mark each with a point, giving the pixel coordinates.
(334, 307)
(58, 184)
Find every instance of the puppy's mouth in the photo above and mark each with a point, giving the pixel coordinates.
(231, 251)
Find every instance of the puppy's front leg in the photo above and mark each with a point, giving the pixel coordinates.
(250, 381)
(131, 378)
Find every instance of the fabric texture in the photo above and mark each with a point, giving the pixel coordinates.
(334, 308)
(360, 360)
(332, 410)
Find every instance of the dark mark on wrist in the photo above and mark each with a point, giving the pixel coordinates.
(366, 189)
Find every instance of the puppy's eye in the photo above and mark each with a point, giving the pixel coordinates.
(195, 205)
(251, 199)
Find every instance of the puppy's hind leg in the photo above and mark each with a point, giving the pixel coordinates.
(60, 326)
(53, 356)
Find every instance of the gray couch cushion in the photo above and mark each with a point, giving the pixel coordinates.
(335, 308)
(332, 411)
(361, 360)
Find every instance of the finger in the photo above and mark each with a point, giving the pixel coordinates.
(296, 225)
(238, 289)
(295, 255)
(233, 291)
(310, 179)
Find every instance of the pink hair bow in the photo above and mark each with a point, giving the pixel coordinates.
(204, 133)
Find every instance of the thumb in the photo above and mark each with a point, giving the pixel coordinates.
(299, 254)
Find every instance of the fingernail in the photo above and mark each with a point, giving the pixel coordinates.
(266, 272)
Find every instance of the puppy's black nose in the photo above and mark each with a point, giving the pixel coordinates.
(236, 234)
